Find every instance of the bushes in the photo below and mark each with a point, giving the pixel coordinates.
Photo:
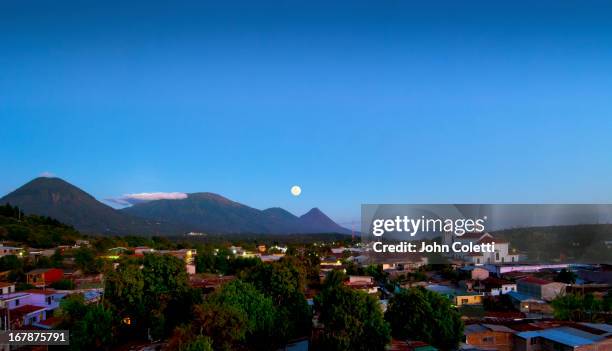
(63, 284)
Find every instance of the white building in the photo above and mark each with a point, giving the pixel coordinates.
(501, 252)
(28, 307)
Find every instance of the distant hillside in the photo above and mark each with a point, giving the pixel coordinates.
(574, 243)
(56, 198)
(204, 212)
(35, 231)
(214, 213)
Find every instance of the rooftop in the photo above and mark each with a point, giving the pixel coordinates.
(534, 280)
(24, 310)
(41, 291)
(564, 335)
(41, 270)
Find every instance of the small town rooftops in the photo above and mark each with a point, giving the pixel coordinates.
(534, 280)
(521, 297)
(566, 336)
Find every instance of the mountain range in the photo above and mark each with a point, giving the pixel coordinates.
(198, 212)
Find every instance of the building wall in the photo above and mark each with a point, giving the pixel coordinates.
(480, 274)
(461, 300)
(8, 289)
(552, 290)
(492, 340)
(604, 345)
(534, 290)
(531, 344)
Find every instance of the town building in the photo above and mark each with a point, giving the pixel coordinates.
(44, 276)
(362, 282)
(529, 304)
(496, 286)
(7, 288)
(28, 307)
(562, 339)
(540, 288)
(489, 336)
(501, 253)
(10, 250)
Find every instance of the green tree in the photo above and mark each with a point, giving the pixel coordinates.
(10, 262)
(153, 292)
(124, 289)
(64, 284)
(256, 309)
(423, 315)
(57, 259)
(334, 278)
(352, 320)
(224, 324)
(91, 326)
(86, 260)
(284, 282)
(566, 276)
(578, 308)
(200, 343)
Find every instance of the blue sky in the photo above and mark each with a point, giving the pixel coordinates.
(357, 102)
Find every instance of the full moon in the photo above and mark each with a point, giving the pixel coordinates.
(296, 190)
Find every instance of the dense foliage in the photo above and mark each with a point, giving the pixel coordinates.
(153, 294)
(32, 230)
(582, 308)
(424, 315)
(351, 320)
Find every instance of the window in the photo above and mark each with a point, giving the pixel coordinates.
(464, 301)
(533, 341)
(488, 340)
(497, 256)
(17, 302)
(48, 300)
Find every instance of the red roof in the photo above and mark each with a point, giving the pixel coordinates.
(534, 280)
(25, 309)
(51, 321)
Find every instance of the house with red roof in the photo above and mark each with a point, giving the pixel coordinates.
(28, 307)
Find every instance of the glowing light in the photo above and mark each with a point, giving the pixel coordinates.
(296, 190)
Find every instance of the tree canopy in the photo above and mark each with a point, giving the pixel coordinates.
(424, 315)
(352, 320)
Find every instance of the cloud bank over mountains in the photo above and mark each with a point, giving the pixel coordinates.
(136, 198)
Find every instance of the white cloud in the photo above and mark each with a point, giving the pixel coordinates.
(131, 199)
(47, 174)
